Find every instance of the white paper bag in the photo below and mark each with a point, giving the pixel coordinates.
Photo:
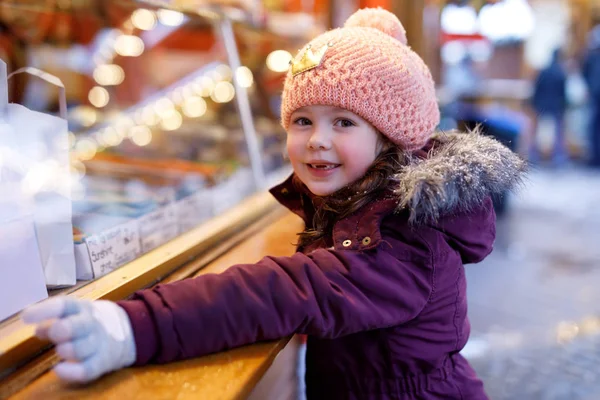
(41, 140)
(21, 271)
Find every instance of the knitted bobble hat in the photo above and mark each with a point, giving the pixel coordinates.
(366, 67)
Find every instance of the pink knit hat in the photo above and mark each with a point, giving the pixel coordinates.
(366, 67)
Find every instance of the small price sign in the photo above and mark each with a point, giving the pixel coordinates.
(158, 227)
(114, 247)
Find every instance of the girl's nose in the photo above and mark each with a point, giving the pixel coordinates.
(318, 141)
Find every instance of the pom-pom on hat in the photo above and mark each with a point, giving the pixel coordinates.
(366, 67)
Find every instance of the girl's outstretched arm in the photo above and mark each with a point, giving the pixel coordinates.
(328, 293)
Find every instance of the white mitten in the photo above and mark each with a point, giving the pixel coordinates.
(92, 337)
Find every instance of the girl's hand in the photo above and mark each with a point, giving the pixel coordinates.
(92, 337)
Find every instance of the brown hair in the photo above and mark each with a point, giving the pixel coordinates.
(349, 199)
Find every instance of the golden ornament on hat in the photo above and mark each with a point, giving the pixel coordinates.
(309, 59)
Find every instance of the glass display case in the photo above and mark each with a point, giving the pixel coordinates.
(160, 132)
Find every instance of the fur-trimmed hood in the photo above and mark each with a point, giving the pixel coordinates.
(458, 172)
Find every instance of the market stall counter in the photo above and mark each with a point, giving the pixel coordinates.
(166, 139)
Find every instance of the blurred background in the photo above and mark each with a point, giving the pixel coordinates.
(153, 105)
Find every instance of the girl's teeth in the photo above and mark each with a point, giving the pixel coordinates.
(321, 166)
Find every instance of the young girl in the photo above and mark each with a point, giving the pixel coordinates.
(392, 213)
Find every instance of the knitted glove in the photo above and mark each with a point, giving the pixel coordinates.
(92, 337)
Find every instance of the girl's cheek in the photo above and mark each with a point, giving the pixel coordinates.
(352, 152)
(292, 148)
(360, 157)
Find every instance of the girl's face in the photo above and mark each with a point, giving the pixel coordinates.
(330, 147)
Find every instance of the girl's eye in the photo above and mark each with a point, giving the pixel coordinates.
(302, 121)
(344, 123)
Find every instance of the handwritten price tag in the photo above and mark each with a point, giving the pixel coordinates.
(114, 247)
(158, 227)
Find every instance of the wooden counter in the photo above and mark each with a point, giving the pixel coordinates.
(228, 375)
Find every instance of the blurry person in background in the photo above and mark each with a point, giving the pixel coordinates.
(549, 100)
(591, 73)
(462, 79)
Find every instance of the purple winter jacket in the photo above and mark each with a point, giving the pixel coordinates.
(384, 307)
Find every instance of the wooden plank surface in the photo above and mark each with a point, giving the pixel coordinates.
(227, 375)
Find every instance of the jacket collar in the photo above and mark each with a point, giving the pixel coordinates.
(289, 196)
(357, 231)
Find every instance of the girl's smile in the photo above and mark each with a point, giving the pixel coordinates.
(321, 168)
